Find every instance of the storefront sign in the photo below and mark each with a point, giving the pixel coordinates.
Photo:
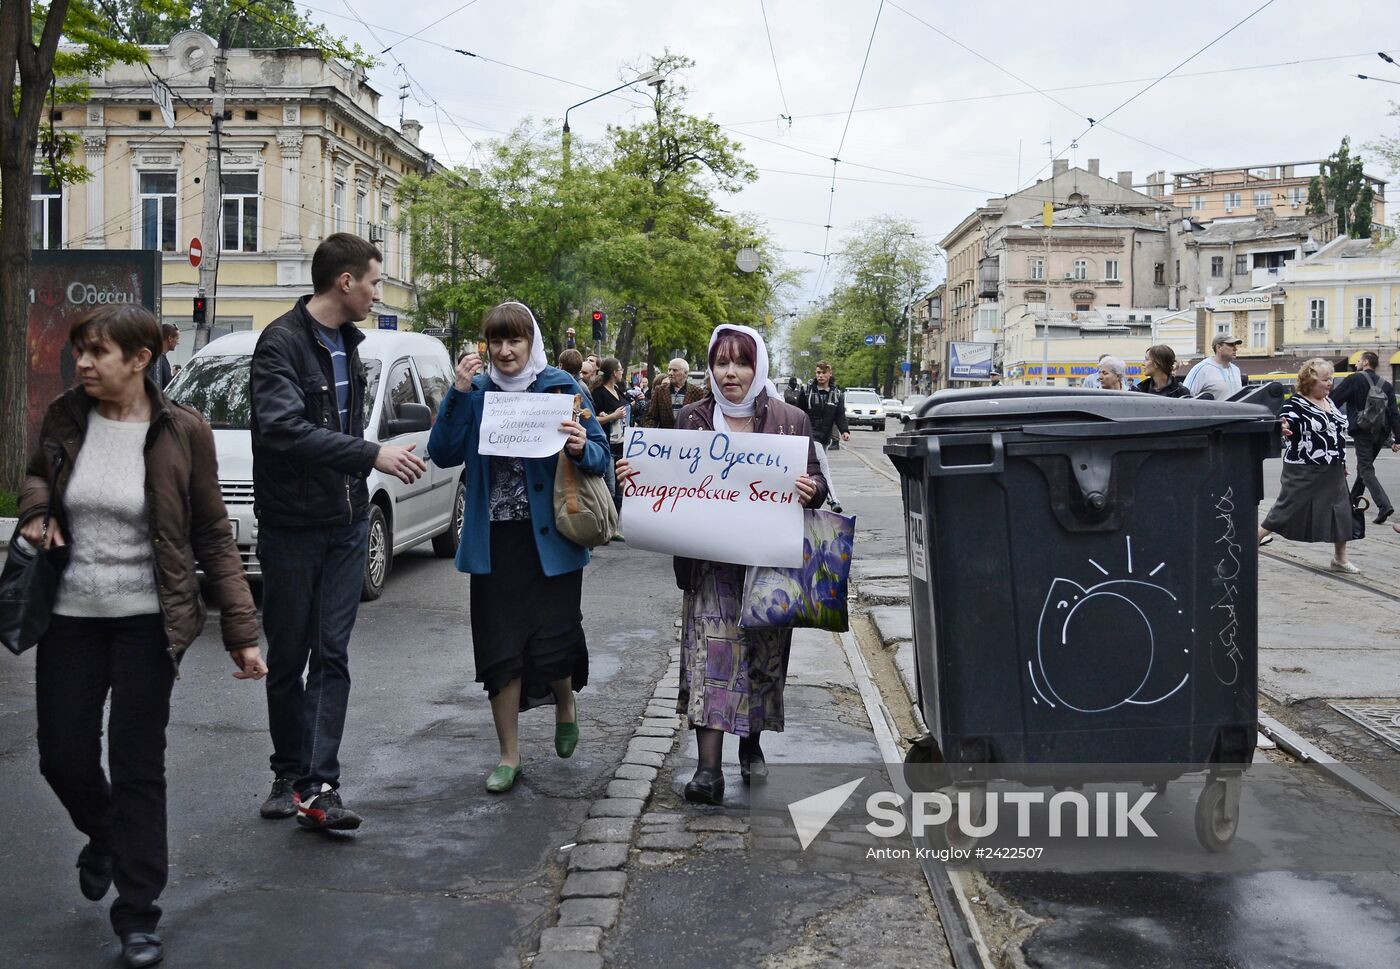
(1075, 369)
(1239, 301)
(714, 495)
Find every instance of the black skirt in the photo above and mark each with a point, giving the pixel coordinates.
(526, 625)
(1313, 504)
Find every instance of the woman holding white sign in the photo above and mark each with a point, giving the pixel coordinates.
(510, 546)
(731, 678)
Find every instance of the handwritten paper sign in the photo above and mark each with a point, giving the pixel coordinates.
(524, 425)
(715, 495)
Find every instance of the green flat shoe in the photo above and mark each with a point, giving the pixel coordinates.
(566, 734)
(503, 778)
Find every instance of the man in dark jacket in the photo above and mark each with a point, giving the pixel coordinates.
(825, 404)
(1351, 393)
(672, 393)
(162, 372)
(310, 460)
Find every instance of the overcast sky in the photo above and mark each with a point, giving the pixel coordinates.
(956, 128)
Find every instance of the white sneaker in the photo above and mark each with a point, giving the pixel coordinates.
(1346, 567)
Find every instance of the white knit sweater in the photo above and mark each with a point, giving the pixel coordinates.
(111, 572)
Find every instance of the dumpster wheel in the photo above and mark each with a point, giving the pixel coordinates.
(1218, 813)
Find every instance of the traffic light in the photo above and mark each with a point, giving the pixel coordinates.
(200, 312)
(600, 326)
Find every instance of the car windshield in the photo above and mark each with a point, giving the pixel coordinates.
(862, 397)
(217, 387)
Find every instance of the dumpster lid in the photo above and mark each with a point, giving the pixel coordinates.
(1072, 409)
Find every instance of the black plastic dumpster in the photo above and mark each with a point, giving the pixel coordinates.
(1083, 571)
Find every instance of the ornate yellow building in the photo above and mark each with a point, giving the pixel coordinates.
(304, 155)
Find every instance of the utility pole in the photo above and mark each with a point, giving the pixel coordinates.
(211, 234)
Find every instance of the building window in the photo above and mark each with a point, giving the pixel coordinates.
(338, 206)
(384, 217)
(1217, 267)
(1317, 314)
(1037, 268)
(1241, 265)
(1178, 272)
(1261, 200)
(241, 212)
(1081, 307)
(1198, 203)
(1232, 201)
(361, 198)
(1081, 269)
(158, 201)
(1363, 312)
(1222, 324)
(1110, 269)
(1159, 274)
(1259, 331)
(1295, 196)
(46, 212)
(250, 116)
(142, 115)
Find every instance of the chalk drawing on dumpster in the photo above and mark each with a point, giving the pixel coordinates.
(1116, 643)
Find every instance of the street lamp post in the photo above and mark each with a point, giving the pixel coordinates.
(654, 78)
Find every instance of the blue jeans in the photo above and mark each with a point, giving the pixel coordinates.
(311, 591)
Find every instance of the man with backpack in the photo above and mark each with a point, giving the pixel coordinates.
(1374, 421)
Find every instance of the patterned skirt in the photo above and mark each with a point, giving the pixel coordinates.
(731, 678)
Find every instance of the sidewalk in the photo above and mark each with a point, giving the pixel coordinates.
(682, 887)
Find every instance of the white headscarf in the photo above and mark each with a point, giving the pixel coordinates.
(760, 374)
(533, 366)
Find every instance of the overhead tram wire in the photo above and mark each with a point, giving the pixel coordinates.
(1094, 122)
(1043, 93)
(787, 113)
(1069, 87)
(414, 35)
(836, 158)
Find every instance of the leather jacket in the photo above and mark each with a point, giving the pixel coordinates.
(308, 471)
(189, 525)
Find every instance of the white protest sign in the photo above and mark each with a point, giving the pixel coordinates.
(524, 425)
(715, 495)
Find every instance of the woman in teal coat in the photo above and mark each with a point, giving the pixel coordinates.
(510, 545)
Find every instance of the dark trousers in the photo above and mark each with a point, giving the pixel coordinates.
(79, 662)
(1367, 447)
(311, 591)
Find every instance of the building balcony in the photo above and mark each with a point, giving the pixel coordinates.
(1265, 277)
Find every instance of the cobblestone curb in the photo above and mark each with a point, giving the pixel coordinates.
(591, 898)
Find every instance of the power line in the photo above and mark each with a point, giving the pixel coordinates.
(1094, 122)
(415, 34)
(774, 54)
(856, 93)
(1069, 87)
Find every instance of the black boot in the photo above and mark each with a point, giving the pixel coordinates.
(706, 787)
(751, 762)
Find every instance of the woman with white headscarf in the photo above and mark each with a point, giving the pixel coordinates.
(527, 579)
(731, 678)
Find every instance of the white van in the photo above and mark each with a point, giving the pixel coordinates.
(409, 375)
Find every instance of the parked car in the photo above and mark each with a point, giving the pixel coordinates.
(894, 407)
(912, 403)
(863, 407)
(399, 408)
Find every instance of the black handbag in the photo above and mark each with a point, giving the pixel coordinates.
(28, 587)
(1358, 518)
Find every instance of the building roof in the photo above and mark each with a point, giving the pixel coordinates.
(1344, 247)
(1079, 216)
(1225, 231)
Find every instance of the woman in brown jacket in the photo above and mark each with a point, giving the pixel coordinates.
(732, 679)
(130, 481)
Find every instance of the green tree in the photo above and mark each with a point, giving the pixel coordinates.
(1317, 202)
(33, 70)
(883, 266)
(630, 228)
(253, 23)
(1343, 184)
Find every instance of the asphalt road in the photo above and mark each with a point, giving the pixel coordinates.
(441, 874)
(1261, 920)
